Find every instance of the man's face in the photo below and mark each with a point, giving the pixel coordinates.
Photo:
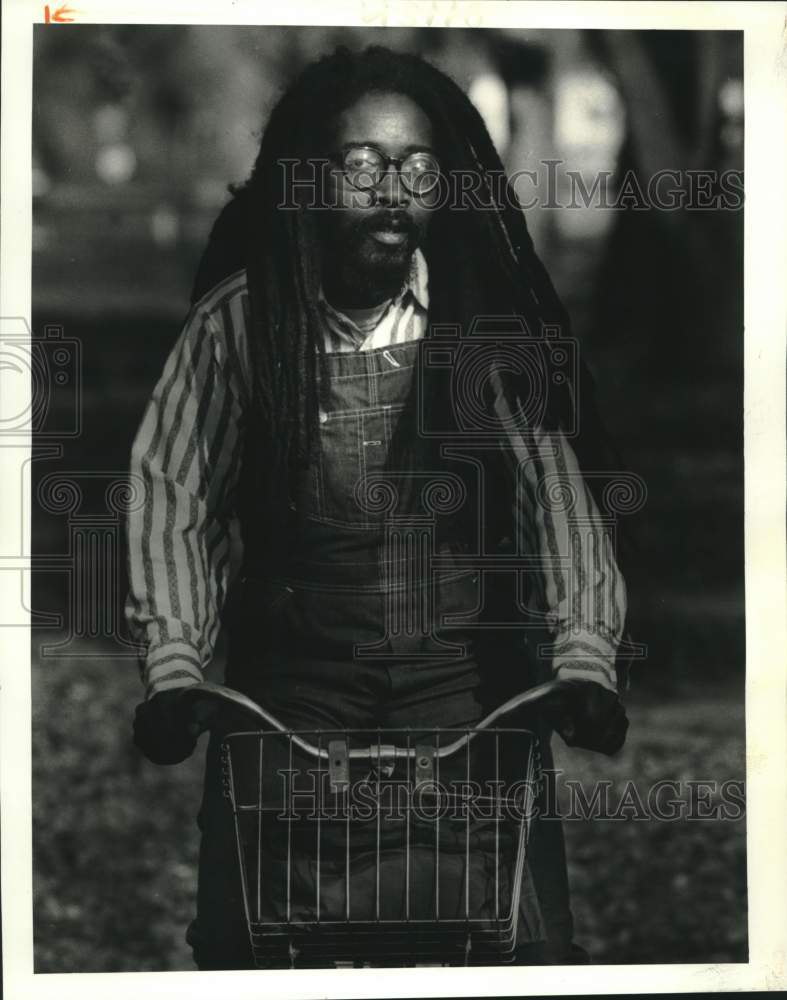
(373, 233)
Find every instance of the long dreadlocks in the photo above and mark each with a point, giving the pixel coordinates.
(481, 262)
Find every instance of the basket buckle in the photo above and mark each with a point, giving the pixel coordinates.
(424, 764)
(338, 765)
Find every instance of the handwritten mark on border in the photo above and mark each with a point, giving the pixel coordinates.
(61, 14)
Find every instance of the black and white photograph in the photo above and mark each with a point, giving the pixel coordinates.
(401, 531)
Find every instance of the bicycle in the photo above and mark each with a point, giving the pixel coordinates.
(407, 849)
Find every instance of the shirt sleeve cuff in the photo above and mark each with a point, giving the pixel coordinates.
(585, 670)
(587, 658)
(169, 666)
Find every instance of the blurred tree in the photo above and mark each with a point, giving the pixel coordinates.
(673, 275)
(76, 71)
(669, 297)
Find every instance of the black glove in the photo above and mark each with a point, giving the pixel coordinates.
(589, 716)
(164, 729)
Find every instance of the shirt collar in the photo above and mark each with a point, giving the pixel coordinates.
(418, 280)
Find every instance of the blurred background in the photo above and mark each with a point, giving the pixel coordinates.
(137, 132)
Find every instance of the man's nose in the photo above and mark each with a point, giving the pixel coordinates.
(391, 191)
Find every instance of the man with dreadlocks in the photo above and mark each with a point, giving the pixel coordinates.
(300, 421)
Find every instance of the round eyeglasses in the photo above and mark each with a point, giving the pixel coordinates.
(366, 166)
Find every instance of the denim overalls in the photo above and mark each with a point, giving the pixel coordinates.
(368, 614)
(364, 624)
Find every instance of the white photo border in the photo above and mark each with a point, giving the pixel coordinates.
(765, 61)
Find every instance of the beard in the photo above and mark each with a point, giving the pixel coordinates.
(372, 250)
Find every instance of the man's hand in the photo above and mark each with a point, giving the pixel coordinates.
(164, 730)
(589, 716)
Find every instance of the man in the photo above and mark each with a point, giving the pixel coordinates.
(303, 452)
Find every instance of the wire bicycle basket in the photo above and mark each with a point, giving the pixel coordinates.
(382, 847)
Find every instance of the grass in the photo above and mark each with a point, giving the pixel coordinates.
(663, 891)
(114, 837)
(115, 842)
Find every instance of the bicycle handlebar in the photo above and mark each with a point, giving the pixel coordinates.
(210, 694)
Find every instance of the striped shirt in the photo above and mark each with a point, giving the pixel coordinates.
(183, 542)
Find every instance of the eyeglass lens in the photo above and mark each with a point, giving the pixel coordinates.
(365, 168)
